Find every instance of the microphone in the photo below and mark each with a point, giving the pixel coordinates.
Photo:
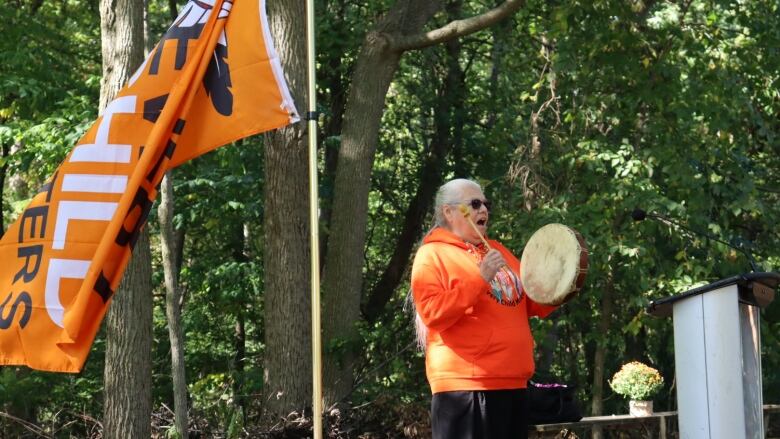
(639, 215)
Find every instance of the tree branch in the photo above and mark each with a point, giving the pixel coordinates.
(455, 29)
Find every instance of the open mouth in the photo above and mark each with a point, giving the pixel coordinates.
(481, 222)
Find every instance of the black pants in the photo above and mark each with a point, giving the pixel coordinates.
(486, 414)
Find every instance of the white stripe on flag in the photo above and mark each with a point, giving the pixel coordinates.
(106, 184)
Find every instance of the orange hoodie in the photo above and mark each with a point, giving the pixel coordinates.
(474, 341)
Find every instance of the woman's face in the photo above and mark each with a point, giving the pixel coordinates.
(457, 221)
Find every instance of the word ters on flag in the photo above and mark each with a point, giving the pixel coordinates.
(213, 78)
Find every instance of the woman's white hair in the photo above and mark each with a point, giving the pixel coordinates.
(450, 192)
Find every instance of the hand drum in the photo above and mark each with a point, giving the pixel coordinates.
(554, 264)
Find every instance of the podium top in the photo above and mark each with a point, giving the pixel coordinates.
(757, 289)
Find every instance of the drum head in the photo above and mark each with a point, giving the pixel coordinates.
(553, 264)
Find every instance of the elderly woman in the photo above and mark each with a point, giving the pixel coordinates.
(473, 319)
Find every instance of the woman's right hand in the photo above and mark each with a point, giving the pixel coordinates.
(491, 263)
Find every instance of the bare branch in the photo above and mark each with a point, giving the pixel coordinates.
(27, 425)
(455, 29)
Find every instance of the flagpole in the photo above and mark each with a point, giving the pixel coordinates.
(316, 341)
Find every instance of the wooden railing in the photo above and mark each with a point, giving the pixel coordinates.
(661, 425)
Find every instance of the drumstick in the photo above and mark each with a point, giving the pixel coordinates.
(465, 211)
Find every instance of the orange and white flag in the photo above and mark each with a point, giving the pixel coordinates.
(212, 79)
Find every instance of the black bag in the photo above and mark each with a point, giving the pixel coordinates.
(552, 404)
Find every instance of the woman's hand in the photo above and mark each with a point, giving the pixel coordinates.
(491, 263)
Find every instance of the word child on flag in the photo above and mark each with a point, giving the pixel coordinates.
(213, 78)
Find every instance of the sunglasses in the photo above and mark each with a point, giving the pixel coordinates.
(476, 203)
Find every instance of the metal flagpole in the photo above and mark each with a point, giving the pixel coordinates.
(316, 341)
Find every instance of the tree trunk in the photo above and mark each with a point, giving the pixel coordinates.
(173, 303)
(448, 122)
(122, 44)
(128, 378)
(4, 153)
(239, 361)
(240, 255)
(147, 30)
(342, 275)
(288, 383)
(173, 9)
(502, 34)
(597, 399)
(546, 355)
(128, 371)
(333, 80)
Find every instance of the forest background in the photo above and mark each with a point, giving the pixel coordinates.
(566, 111)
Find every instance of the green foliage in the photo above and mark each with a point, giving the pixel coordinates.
(173, 433)
(599, 108)
(236, 424)
(39, 50)
(213, 398)
(49, 81)
(637, 381)
(393, 366)
(572, 111)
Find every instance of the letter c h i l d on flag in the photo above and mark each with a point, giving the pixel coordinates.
(213, 78)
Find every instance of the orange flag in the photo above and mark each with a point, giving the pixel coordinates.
(214, 78)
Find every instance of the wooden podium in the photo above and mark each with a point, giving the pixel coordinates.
(717, 352)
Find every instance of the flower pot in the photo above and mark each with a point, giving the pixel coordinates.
(640, 408)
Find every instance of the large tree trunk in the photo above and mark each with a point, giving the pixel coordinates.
(342, 275)
(448, 121)
(127, 389)
(173, 303)
(288, 382)
(122, 44)
(331, 78)
(128, 378)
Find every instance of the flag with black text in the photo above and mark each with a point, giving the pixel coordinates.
(212, 79)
